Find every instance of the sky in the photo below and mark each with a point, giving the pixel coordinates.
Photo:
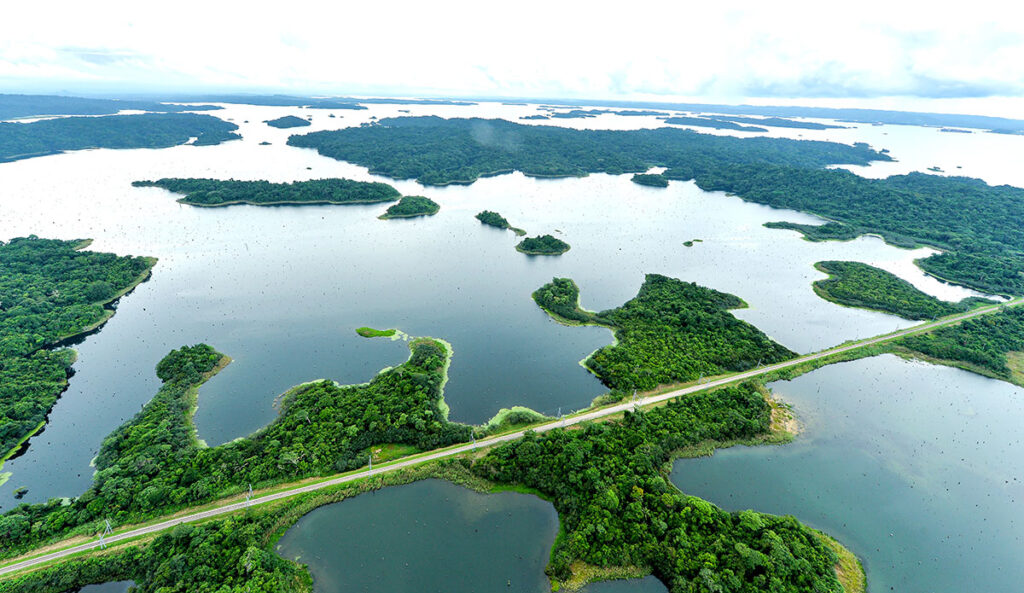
(709, 51)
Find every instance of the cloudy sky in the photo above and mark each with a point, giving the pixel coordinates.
(721, 51)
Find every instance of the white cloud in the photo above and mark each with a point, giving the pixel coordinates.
(529, 48)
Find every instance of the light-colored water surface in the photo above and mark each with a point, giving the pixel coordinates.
(281, 289)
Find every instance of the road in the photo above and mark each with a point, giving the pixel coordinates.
(489, 442)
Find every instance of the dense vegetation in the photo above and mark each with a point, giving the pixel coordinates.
(154, 462)
(653, 180)
(221, 192)
(857, 284)
(971, 219)
(542, 245)
(870, 116)
(411, 206)
(609, 483)
(437, 151)
(974, 222)
(981, 342)
(672, 331)
(49, 290)
(776, 122)
(148, 130)
(369, 332)
(288, 121)
(830, 231)
(14, 106)
(496, 220)
(712, 122)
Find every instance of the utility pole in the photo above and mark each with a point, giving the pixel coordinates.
(369, 472)
(106, 531)
(248, 497)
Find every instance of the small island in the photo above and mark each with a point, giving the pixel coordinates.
(542, 245)
(369, 332)
(211, 193)
(411, 207)
(692, 241)
(653, 180)
(498, 221)
(288, 121)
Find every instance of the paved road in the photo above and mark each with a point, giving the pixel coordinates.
(453, 451)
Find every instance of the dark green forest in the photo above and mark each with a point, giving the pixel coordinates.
(154, 462)
(776, 122)
(712, 122)
(437, 151)
(498, 221)
(225, 192)
(830, 231)
(49, 290)
(857, 284)
(542, 245)
(974, 222)
(410, 207)
(14, 106)
(982, 342)
(672, 331)
(147, 130)
(288, 121)
(609, 483)
(653, 180)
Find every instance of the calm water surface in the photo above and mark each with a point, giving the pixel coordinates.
(918, 469)
(281, 289)
(425, 537)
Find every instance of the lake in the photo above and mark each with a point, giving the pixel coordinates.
(282, 289)
(918, 469)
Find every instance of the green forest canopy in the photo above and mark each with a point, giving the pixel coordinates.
(288, 121)
(976, 223)
(154, 462)
(147, 130)
(672, 331)
(224, 192)
(49, 290)
(982, 343)
(857, 284)
(609, 483)
(411, 206)
(542, 245)
(14, 106)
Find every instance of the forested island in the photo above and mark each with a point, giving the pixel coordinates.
(651, 179)
(711, 122)
(50, 290)
(147, 130)
(857, 284)
(671, 332)
(542, 245)
(288, 121)
(17, 106)
(830, 231)
(411, 207)
(438, 151)
(369, 332)
(228, 192)
(964, 217)
(498, 221)
(777, 122)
